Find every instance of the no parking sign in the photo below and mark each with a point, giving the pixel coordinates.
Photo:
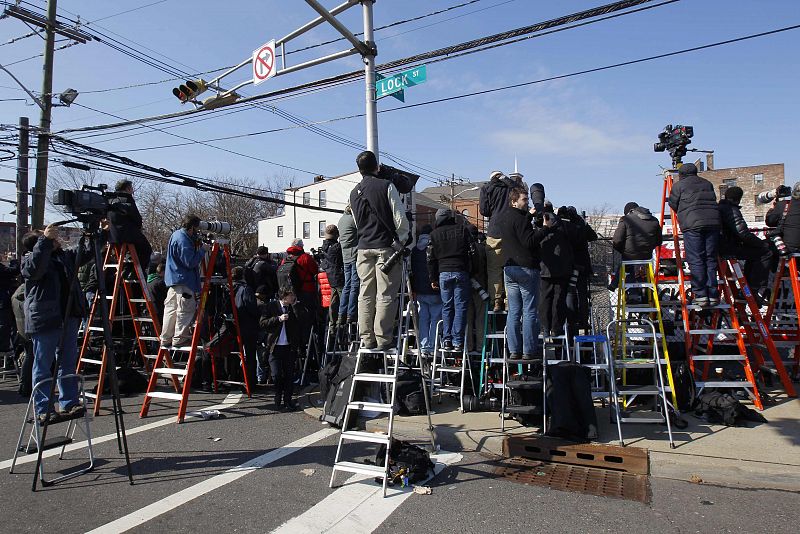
(264, 63)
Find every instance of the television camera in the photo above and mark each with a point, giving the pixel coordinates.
(674, 140)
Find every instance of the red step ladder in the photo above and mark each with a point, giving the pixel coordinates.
(782, 313)
(139, 305)
(165, 367)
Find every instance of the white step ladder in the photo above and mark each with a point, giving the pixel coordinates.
(445, 365)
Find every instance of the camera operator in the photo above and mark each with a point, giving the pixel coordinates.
(333, 265)
(522, 276)
(185, 251)
(578, 299)
(694, 201)
(50, 278)
(738, 241)
(382, 229)
(448, 267)
(556, 268)
(476, 313)
(125, 222)
(282, 320)
(493, 201)
(249, 316)
(785, 216)
(428, 299)
(348, 239)
(261, 271)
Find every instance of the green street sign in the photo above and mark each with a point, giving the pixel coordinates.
(392, 85)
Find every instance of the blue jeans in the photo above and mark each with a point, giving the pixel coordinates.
(454, 287)
(700, 248)
(522, 289)
(45, 345)
(430, 312)
(348, 303)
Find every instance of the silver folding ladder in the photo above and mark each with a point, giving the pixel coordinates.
(445, 364)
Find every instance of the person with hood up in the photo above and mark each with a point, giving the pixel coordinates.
(348, 239)
(694, 201)
(638, 233)
(428, 300)
(578, 298)
(493, 201)
(249, 316)
(333, 265)
(448, 267)
(476, 313)
(556, 266)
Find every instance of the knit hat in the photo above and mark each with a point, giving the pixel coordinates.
(331, 232)
(297, 242)
(629, 207)
(688, 169)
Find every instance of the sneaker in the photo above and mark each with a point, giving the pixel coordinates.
(701, 301)
(514, 356)
(447, 344)
(713, 301)
(458, 348)
(528, 357)
(369, 345)
(498, 305)
(76, 410)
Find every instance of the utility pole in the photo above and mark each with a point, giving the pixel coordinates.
(22, 183)
(43, 139)
(369, 79)
(451, 182)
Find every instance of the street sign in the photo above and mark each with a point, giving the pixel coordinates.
(264, 66)
(397, 82)
(399, 95)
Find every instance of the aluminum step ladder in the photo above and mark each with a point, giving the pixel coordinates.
(446, 367)
(9, 359)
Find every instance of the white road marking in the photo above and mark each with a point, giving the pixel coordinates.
(175, 500)
(229, 401)
(358, 506)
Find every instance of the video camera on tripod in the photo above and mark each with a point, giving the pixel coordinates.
(210, 231)
(674, 140)
(88, 204)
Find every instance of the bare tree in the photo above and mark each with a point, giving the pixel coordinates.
(69, 178)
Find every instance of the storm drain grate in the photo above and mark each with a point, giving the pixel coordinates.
(589, 480)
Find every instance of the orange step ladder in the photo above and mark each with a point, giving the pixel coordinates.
(782, 313)
(700, 329)
(165, 367)
(140, 308)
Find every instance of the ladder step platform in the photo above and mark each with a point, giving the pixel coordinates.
(524, 410)
(724, 384)
(370, 406)
(165, 395)
(171, 371)
(368, 437)
(718, 357)
(640, 390)
(525, 384)
(362, 469)
(373, 377)
(710, 331)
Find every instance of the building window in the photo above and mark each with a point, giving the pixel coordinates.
(306, 230)
(322, 228)
(323, 198)
(722, 189)
(307, 198)
(280, 231)
(758, 178)
(759, 218)
(729, 182)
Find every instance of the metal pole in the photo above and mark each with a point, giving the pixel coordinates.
(43, 138)
(22, 183)
(369, 79)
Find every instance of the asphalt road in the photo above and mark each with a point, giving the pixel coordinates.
(187, 480)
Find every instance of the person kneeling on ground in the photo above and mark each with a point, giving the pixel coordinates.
(282, 320)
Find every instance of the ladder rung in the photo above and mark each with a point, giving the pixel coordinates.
(724, 384)
(495, 336)
(641, 419)
(109, 265)
(627, 285)
(642, 334)
(362, 469)
(138, 301)
(151, 356)
(443, 369)
(371, 377)
(90, 360)
(165, 395)
(170, 371)
(143, 319)
(90, 395)
(96, 329)
(706, 331)
(182, 349)
(718, 357)
(636, 262)
(370, 406)
(634, 309)
(449, 389)
(369, 437)
(639, 390)
(149, 338)
(231, 382)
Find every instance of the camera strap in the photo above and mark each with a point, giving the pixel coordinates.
(783, 216)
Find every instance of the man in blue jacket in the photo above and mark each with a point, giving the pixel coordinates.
(182, 276)
(49, 274)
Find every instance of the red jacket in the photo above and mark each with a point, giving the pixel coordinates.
(307, 270)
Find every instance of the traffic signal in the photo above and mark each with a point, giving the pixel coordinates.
(189, 90)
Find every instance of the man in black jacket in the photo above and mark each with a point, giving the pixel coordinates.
(694, 201)
(739, 242)
(557, 262)
(333, 265)
(282, 321)
(787, 211)
(248, 314)
(448, 267)
(578, 298)
(428, 299)
(638, 233)
(493, 201)
(125, 222)
(521, 250)
(382, 228)
(260, 270)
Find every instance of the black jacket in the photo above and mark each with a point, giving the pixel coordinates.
(420, 277)
(694, 200)
(637, 235)
(791, 225)
(125, 221)
(493, 201)
(449, 248)
(557, 249)
(158, 293)
(246, 310)
(734, 228)
(373, 214)
(271, 324)
(332, 262)
(520, 239)
(585, 234)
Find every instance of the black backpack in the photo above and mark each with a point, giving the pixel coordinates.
(288, 275)
(250, 272)
(685, 387)
(405, 460)
(716, 407)
(409, 399)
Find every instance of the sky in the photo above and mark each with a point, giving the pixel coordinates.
(587, 138)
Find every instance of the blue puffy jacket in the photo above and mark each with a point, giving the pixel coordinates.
(183, 261)
(49, 275)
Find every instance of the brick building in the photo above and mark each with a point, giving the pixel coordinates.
(753, 180)
(8, 238)
(466, 200)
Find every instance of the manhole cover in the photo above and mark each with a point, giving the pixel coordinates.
(564, 477)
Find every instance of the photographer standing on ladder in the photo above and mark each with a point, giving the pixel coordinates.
(49, 274)
(184, 254)
(694, 201)
(125, 222)
(382, 231)
(785, 216)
